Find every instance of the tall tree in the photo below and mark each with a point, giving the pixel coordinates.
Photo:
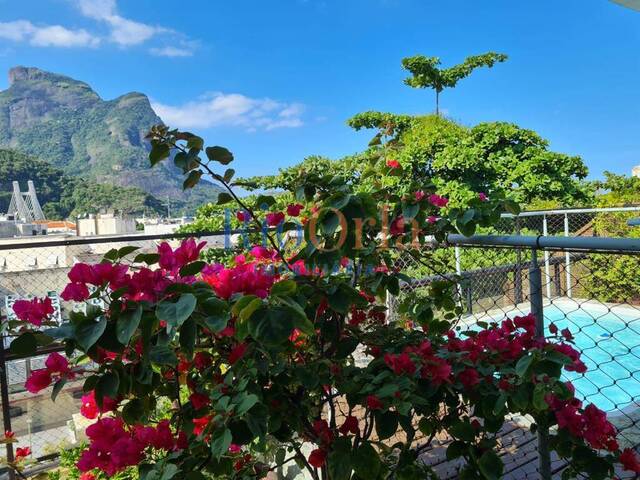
(426, 74)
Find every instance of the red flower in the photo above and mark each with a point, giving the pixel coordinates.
(242, 216)
(566, 333)
(39, 380)
(397, 226)
(89, 408)
(237, 353)
(393, 164)
(437, 200)
(294, 210)
(9, 435)
(317, 458)
(199, 400)
(56, 363)
(469, 377)
(350, 425)
(274, 218)
(78, 292)
(87, 476)
(629, 460)
(202, 360)
(22, 453)
(374, 403)
(199, 424)
(483, 197)
(419, 195)
(400, 363)
(33, 311)
(432, 219)
(553, 329)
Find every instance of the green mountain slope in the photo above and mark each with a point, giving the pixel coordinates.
(63, 196)
(64, 122)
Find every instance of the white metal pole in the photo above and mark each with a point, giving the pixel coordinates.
(567, 257)
(458, 272)
(546, 259)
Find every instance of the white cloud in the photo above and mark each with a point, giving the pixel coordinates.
(123, 31)
(231, 109)
(171, 52)
(46, 36)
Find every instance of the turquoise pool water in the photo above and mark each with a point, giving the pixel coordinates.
(610, 346)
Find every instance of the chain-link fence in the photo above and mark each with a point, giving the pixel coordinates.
(593, 292)
(587, 285)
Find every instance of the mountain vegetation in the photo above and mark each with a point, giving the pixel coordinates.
(64, 122)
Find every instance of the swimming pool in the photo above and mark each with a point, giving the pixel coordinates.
(609, 339)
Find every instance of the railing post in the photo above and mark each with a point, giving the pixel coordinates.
(567, 257)
(6, 411)
(518, 270)
(535, 297)
(545, 232)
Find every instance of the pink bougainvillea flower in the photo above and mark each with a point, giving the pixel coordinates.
(22, 453)
(294, 210)
(56, 363)
(566, 333)
(374, 403)
(247, 278)
(553, 329)
(437, 200)
(199, 400)
(242, 215)
(397, 226)
(237, 353)
(419, 195)
(39, 380)
(172, 260)
(350, 425)
(393, 163)
(87, 476)
(274, 218)
(432, 219)
(78, 292)
(483, 197)
(89, 407)
(317, 458)
(469, 377)
(33, 311)
(629, 460)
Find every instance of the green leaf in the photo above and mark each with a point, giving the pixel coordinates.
(133, 411)
(409, 211)
(247, 311)
(284, 287)
(523, 365)
(192, 268)
(217, 323)
(219, 154)
(425, 426)
(107, 386)
(366, 461)
(223, 198)
(162, 355)
(456, 449)
(127, 324)
(490, 465)
(463, 430)
(24, 345)
(265, 201)
(57, 388)
(195, 141)
(175, 313)
(148, 258)
(220, 442)
(273, 328)
(228, 174)
(88, 331)
(192, 179)
(246, 404)
(159, 151)
(512, 207)
(126, 250)
(539, 392)
(386, 424)
(188, 333)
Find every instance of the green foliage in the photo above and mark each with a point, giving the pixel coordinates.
(425, 71)
(76, 131)
(63, 196)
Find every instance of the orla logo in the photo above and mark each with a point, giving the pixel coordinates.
(635, 4)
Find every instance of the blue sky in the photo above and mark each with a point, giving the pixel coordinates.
(275, 81)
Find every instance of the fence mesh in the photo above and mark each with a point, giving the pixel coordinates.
(595, 295)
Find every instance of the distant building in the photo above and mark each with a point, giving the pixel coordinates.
(157, 226)
(105, 224)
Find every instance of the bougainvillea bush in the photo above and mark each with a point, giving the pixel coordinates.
(290, 345)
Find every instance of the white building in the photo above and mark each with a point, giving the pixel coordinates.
(105, 224)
